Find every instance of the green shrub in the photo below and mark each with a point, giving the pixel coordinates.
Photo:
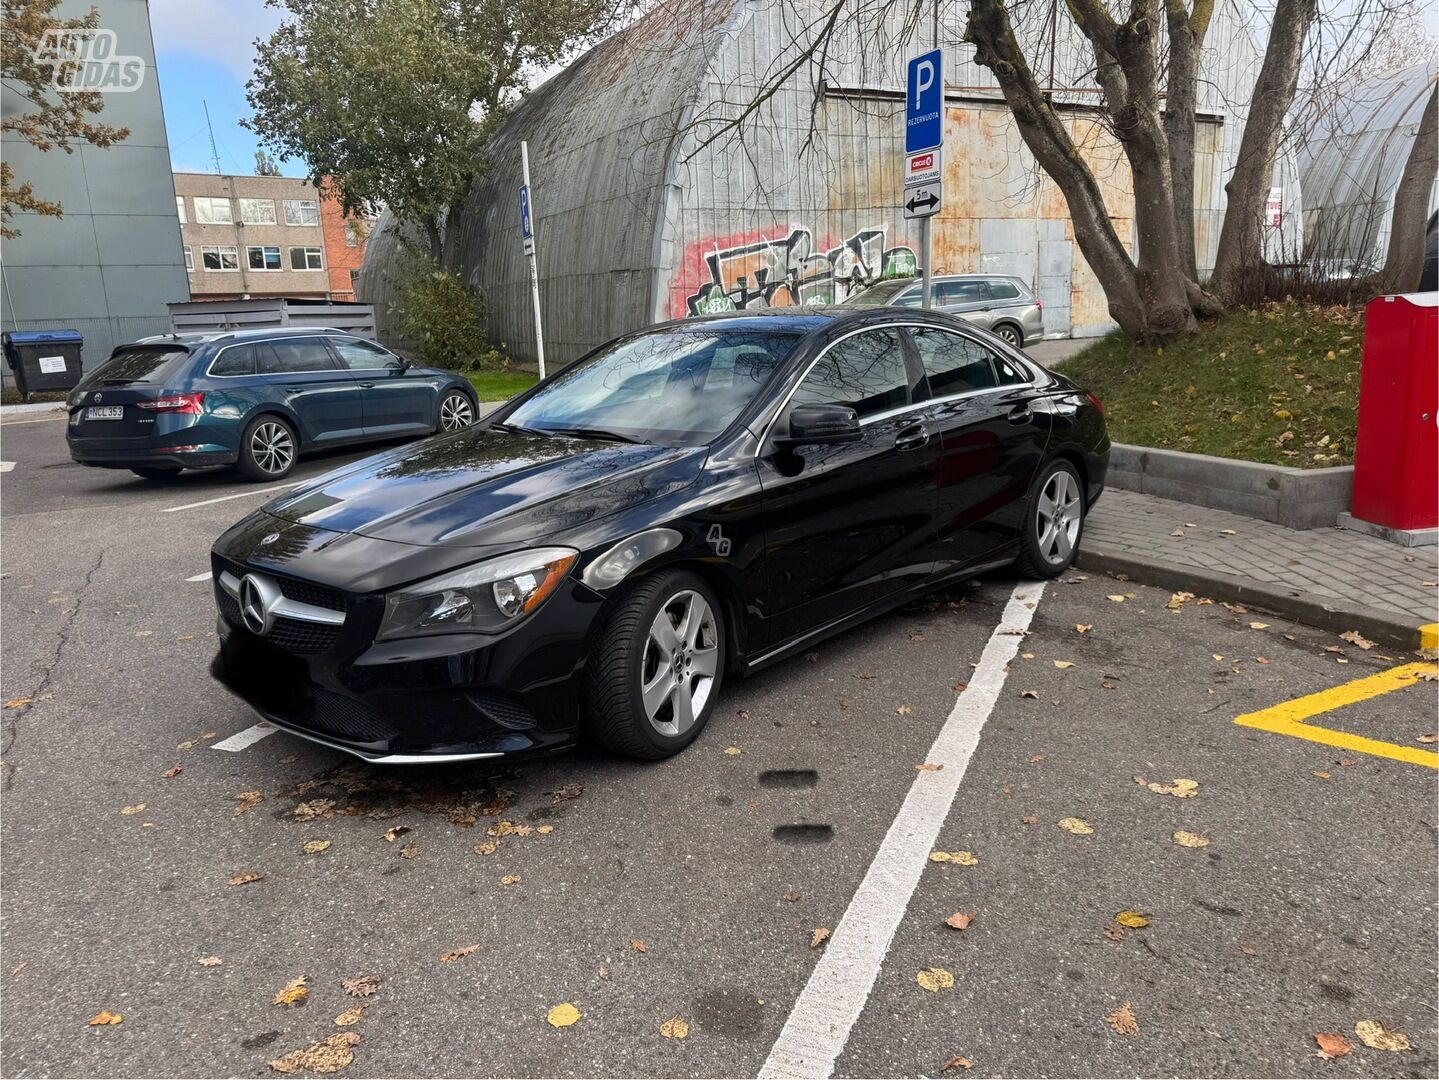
(445, 320)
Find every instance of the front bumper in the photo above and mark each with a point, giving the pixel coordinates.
(423, 700)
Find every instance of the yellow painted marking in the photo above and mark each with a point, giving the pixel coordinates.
(1429, 636)
(1287, 718)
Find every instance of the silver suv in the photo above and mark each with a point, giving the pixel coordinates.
(1001, 304)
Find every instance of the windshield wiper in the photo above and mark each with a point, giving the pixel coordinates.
(596, 433)
(515, 429)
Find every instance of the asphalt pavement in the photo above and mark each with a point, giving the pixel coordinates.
(482, 897)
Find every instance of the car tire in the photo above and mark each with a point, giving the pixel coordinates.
(458, 410)
(629, 657)
(1010, 333)
(268, 448)
(156, 472)
(1053, 522)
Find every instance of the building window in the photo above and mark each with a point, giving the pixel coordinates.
(302, 212)
(189, 259)
(220, 258)
(354, 277)
(306, 258)
(212, 211)
(257, 211)
(264, 258)
(180, 207)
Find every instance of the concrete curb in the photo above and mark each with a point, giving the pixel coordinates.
(34, 406)
(1390, 628)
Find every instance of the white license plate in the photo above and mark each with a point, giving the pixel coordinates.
(105, 412)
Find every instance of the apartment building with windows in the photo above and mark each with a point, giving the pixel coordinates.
(257, 236)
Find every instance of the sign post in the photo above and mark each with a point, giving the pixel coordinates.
(923, 151)
(527, 241)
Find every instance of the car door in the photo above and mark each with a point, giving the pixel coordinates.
(852, 524)
(307, 377)
(983, 413)
(398, 398)
(966, 298)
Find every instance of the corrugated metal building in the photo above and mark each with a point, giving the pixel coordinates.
(643, 214)
(1351, 160)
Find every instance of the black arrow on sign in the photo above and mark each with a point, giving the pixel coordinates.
(928, 201)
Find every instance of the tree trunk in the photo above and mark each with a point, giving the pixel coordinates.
(996, 48)
(1241, 238)
(1186, 41)
(1404, 262)
(432, 236)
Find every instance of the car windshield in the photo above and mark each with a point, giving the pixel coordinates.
(677, 387)
(879, 295)
(137, 366)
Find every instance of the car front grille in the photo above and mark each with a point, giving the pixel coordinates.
(297, 636)
(345, 718)
(292, 635)
(502, 709)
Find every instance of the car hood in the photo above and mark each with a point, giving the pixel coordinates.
(480, 487)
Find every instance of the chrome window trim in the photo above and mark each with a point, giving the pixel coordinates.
(265, 341)
(890, 413)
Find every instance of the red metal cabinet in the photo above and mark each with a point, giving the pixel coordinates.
(1396, 452)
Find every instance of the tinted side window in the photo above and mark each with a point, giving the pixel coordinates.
(953, 363)
(1003, 290)
(302, 354)
(960, 292)
(359, 355)
(865, 372)
(235, 360)
(1010, 374)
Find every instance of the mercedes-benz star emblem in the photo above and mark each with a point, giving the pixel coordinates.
(98, 398)
(258, 598)
(270, 539)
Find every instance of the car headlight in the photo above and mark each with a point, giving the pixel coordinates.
(480, 599)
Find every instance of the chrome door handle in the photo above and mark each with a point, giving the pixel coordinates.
(1020, 414)
(912, 438)
(367, 386)
(295, 389)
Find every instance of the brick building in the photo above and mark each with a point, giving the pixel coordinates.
(257, 236)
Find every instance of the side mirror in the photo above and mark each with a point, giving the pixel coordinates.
(820, 425)
(400, 364)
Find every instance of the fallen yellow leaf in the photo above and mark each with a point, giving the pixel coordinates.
(314, 847)
(960, 920)
(544, 830)
(129, 810)
(295, 991)
(935, 978)
(1180, 788)
(1374, 1035)
(818, 937)
(101, 1019)
(1122, 1020)
(326, 1056)
(904, 710)
(1331, 1045)
(1083, 628)
(244, 877)
(963, 858)
(15, 703)
(1189, 839)
(733, 750)
(562, 1015)
(1118, 598)
(361, 986)
(246, 800)
(1131, 919)
(210, 961)
(455, 954)
(510, 879)
(1077, 826)
(674, 1028)
(1259, 626)
(1062, 664)
(395, 832)
(927, 767)
(350, 1016)
(956, 1062)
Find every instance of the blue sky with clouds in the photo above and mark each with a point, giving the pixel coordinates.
(205, 52)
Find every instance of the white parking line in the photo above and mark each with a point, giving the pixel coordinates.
(6, 466)
(818, 1026)
(249, 737)
(227, 498)
(206, 576)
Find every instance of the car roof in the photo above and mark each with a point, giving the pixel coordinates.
(203, 337)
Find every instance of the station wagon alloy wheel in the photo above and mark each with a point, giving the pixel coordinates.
(456, 412)
(1060, 514)
(681, 657)
(1009, 334)
(272, 447)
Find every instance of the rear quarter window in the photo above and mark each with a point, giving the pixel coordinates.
(140, 365)
(1003, 290)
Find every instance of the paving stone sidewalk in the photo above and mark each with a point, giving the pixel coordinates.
(1327, 577)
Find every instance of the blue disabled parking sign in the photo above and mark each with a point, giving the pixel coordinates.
(924, 103)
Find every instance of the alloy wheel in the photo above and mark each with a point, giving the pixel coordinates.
(272, 448)
(681, 656)
(1009, 334)
(456, 412)
(1060, 513)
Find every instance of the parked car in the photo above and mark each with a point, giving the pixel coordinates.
(257, 399)
(687, 503)
(1001, 304)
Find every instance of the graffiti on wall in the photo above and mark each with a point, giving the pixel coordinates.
(790, 270)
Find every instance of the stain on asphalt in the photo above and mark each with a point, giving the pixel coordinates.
(1217, 909)
(788, 778)
(1335, 992)
(804, 834)
(265, 1038)
(731, 1012)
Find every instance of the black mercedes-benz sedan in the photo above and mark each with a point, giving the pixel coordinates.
(684, 504)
